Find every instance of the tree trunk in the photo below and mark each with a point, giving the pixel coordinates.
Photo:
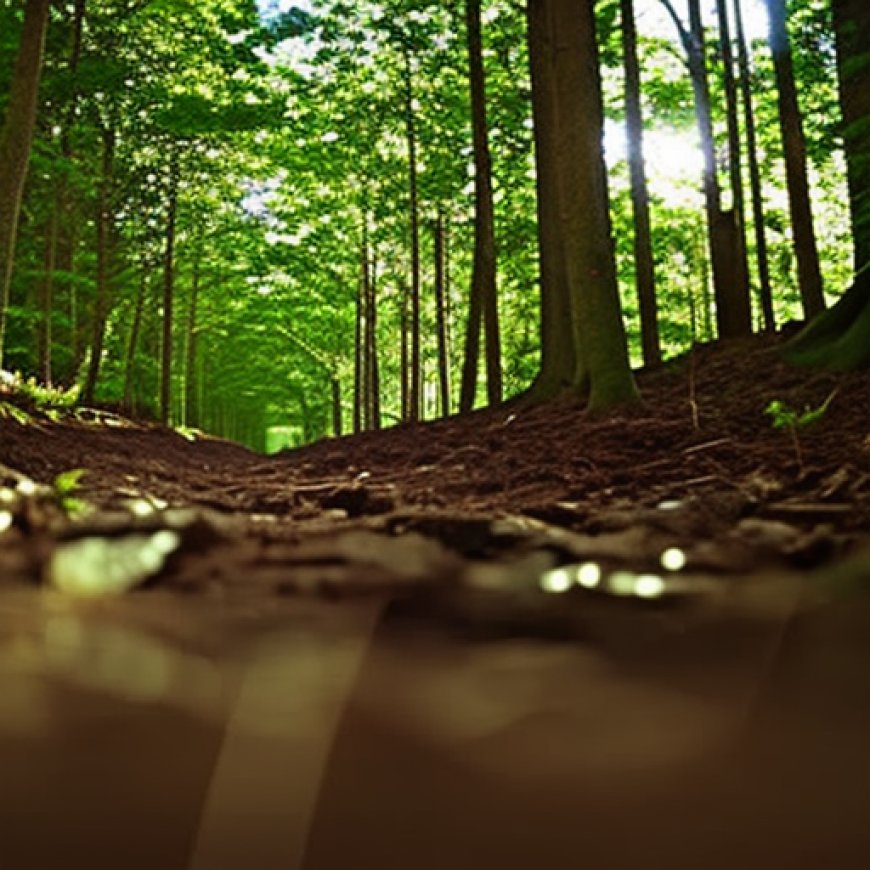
(135, 329)
(367, 337)
(191, 410)
(559, 364)
(415, 386)
(169, 290)
(16, 137)
(839, 338)
(405, 358)
(643, 250)
(335, 388)
(483, 281)
(761, 253)
(569, 47)
(730, 312)
(742, 300)
(374, 365)
(105, 255)
(852, 26)
(359, 386)
(46, 298)
(794, 147)
(441, 316)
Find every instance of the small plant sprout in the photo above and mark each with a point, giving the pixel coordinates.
(66, 487)
(785, 417)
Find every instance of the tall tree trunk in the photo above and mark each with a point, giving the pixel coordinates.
(415, 387)
(483, 282)
(46, 297)
(16, 137)
(567, 46)
(721, 229)
(761, 251)
(405, 357)
(64, 231)
(441, 315)
(335, 391)
(643, 250)
(367, 361)
(559, 363)
(794, 147)
(169, 290)
(132, 344)
(741, 299)
(105, 258)
(374, 365)
(191, 410)
(359, 385)
(852, 26)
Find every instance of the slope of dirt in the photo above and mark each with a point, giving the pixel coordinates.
(697, 466)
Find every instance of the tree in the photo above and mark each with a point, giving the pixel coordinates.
(566, 92)
(852, 28)
(733, 312)
(15, 141)
(749, 122)
(794, 146)
(483, 301)
(643, 249)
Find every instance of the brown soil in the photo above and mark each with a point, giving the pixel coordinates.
(697, 465)
(254, 722)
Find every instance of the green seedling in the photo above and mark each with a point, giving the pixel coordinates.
(66, 487)
(788, 418)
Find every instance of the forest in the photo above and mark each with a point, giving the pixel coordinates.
(304, 220)
(434, 434)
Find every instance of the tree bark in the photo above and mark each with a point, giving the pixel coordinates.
(169, 290)
(441, 315)
(132, 344)
(852, 26)
(567, 45)
(765, 292)
(559, 368)
(730, 314)
(105, 267)
(643, 250)
(795, 151)
(46, 297)
(374, 364)
(741, 299)
(16, 137)
(484, 278)
(191, 409)
(415, 386)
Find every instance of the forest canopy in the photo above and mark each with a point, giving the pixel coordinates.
(306, 219)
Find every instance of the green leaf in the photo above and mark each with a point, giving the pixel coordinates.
(67, 483)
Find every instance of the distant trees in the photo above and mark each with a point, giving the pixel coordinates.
(230, 219)
(16, 136)
(794, 145)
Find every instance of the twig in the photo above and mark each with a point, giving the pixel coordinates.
(693, 404)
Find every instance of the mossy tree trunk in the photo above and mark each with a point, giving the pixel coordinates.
(839, 338)
(16, 136)
(576, 230)
(852, 26)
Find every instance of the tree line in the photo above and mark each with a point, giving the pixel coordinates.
(345, 215)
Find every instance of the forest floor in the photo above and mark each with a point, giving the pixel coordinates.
(697, 466)
(467, 620)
